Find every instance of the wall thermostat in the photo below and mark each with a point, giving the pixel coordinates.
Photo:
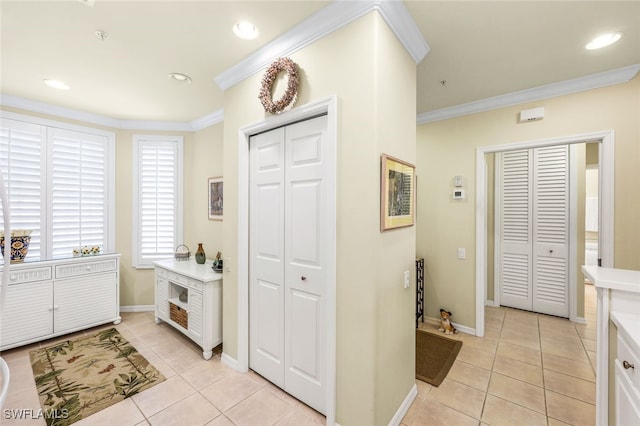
(458, 194)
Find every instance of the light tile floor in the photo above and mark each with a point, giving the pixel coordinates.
(529, 369)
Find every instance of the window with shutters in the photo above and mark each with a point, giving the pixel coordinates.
(61, 181)
(157, 198)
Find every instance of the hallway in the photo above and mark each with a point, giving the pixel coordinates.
(529, 368)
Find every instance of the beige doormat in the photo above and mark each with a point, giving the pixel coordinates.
(434, 356)
(79, 377)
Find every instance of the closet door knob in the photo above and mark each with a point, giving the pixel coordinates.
(303, 278)
(550, 251)
(627, 365)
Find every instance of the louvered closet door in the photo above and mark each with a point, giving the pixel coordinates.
(551, 231)
(516, 230)
(534, 227)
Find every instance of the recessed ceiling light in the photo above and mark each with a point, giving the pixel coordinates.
(603, 41)
(56, 84)
(183, 78)
(245, 30)
(102, 35)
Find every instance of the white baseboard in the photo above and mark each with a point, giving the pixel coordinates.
(230, 362)
(579, 320)
(138, 308)
(491, 303)
(461, 328)
(404, 407)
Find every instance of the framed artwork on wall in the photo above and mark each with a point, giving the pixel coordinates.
(397, 193)
(216, 198)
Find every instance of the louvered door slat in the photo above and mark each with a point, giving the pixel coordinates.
(551, 231)
(515, 230)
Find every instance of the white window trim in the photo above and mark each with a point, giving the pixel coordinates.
(110, 236)
(137, 139)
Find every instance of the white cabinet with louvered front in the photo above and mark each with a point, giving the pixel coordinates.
(55, 297)
(189, 298)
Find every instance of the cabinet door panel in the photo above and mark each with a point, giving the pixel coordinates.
(83, 301)
(195, 316)
(27, 314)
(627, 399)
(162, 293)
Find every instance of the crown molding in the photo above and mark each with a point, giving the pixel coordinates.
(331, 18)
(208, 120)
(101, 120)
(404, 27)
(580, 84)
(58, 111)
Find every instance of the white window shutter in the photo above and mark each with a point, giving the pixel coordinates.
(157, 198)
(21, 151)
(78, 191)
(61, 179)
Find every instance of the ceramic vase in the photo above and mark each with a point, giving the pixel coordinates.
(200, 256)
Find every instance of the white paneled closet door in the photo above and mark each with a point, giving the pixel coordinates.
(288, 255)
(534, 230)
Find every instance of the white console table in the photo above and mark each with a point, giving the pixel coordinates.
(618, 291)
(201, 307)
(54, 297)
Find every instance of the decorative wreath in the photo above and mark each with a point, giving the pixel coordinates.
(289, 97)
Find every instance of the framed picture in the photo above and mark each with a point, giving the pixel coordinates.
(216, 198)
(397, 193)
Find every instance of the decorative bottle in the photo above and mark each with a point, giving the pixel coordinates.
(200, 256)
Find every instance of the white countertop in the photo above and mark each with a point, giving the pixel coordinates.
(616, 279)
(191, 269)
(628, 324)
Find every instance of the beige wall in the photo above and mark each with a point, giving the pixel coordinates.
(447, 148)
(374, 80)
(202, 159)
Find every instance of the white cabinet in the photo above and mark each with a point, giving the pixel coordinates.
(50, 298)
(618, 292)
(627, 376)
(198, 313)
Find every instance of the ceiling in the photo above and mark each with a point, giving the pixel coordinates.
(481, 49)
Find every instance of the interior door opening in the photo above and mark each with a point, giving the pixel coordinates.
(520, 266)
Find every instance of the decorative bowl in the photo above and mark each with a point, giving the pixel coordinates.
(20, 239)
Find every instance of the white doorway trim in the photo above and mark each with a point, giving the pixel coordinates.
(606, 139)
(322, 106)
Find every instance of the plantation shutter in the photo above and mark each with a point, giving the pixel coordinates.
(78, 190)
(515, 211)
(60, 179)
(158, 192)
(21, 163)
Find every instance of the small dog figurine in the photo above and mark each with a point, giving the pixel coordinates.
(445, 322)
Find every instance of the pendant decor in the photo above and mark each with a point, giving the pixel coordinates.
(290, 95)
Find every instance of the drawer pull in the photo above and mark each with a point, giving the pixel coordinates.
(303, 278)
(627, 365)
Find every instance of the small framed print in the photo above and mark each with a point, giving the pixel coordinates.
(216, 198)
(397, 193)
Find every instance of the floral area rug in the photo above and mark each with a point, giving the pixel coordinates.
(79, 377)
